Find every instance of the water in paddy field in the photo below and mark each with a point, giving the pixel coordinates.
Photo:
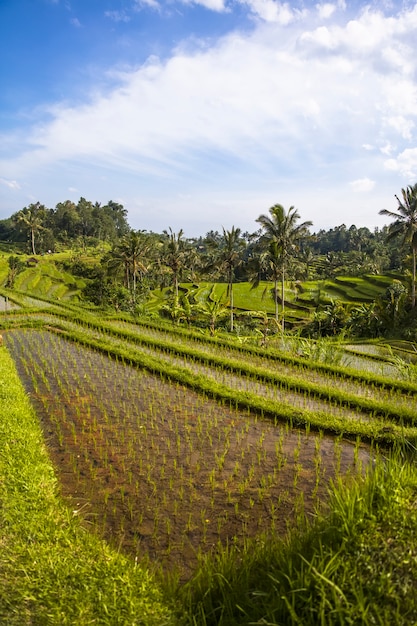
(161, 471)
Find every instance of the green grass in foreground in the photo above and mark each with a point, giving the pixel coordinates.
(51, 570)
(357, 565)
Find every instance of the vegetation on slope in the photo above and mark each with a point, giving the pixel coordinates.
(355, 564)
(51, 571)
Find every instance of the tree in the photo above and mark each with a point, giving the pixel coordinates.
(405, 226)
(118, 215)
(132, 255)
(87, 221)
(31, 218)
(16, 266)
(174, 255)
(181, 308)
(213, 309)
(280, 237)
(66, 220)
(268, 266)
(307, 258)
(227, 258)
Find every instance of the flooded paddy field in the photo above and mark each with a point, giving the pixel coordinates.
(161, 471)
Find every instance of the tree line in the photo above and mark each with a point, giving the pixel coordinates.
(84, 223)
(281, 249)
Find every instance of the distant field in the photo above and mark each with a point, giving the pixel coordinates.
(302, 297)
(47, 280)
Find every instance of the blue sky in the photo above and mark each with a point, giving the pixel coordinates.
(202, 114)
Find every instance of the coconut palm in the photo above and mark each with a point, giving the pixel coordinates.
(32, 218)
(132, 255)
(175, 255)
(281, 234)
(228, 250)
(405, 226)
(267, 266)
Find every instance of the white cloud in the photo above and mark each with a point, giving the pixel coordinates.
(117, 16)
(326, 10)
(141, 4)
(213, 5)
(11, 184)
(273, 11)
(75, 22)
(387, 149)
(362, 185)
(290, 102)
(405, 163)
(402, 126)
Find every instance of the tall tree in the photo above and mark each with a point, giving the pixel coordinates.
(133, 255)
(118, 215)
(66, 220)
(281, 235)
(267, 266)
(228, 257)
(174, 255)
(87, 222)
(32, 218)
(405, 226)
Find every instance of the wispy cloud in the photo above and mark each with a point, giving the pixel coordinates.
(117, 16)
(11, 184)
(258, 92)
(138, 5)
(313, 96)
(212, 5)
(273, 11)
(362, 185)
(405, 163)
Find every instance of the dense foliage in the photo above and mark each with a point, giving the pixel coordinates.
(283, 254)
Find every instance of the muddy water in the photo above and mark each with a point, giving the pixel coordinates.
(160, 471)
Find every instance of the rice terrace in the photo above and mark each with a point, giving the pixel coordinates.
(200, 452)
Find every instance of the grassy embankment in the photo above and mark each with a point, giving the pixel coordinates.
(51, 571)
(357, 564)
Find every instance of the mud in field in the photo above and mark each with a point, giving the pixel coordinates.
(160, 471)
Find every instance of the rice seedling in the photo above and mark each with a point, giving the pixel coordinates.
(164, 448)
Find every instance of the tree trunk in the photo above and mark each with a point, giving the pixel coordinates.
(231, 303)
(32, 234)
(276, 298)
(283, 297)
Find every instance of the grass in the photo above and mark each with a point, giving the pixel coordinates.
(356, 565)
(51, 571)
(121, 346)
(47, 280)
(112, 443)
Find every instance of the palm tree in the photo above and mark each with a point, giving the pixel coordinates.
(174, 255)
(405, 225)
(280, 238)
(267, 266)
(307, 258)
(133, 255)
(32, 218)
(227, 258)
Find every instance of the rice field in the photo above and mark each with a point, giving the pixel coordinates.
(161, 471)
